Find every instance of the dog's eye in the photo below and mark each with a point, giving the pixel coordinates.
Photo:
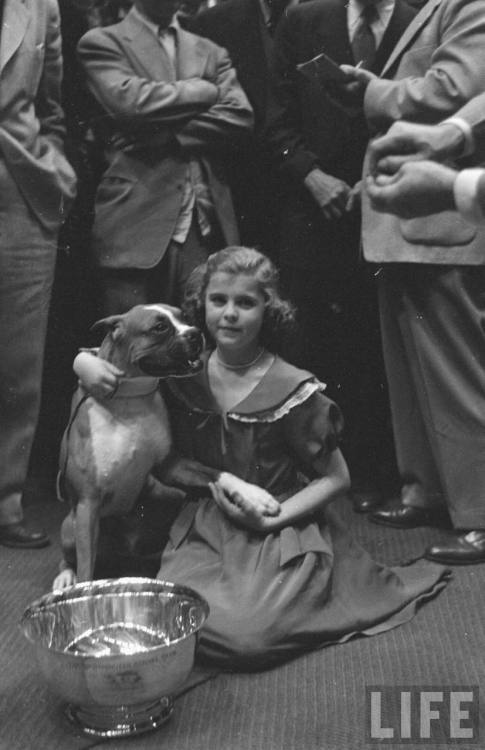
(160, 327)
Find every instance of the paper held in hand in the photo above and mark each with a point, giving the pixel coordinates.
(323, 69)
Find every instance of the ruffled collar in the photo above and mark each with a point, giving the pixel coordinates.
(277, 385)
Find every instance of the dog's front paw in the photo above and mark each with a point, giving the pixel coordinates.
(65, 578)
(247, 494)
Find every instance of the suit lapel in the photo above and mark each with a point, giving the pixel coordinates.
(401, 18)
(16, 18)
(152, 57)
(333, 35)
(191, 55)
(412, 30)
(147, 49)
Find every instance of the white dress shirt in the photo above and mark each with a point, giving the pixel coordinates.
(196, 193)
(465, 192)
(384, 10)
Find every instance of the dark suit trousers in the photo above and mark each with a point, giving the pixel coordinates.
(27, 262)
(339, 340)
(433, 320)
(165, 282)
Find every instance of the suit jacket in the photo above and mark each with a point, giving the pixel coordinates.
(154, 123)
(31, 118)
(235, 25)
(238, 26)
(435, 68)
(305, 129)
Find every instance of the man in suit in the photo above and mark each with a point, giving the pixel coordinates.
(319, 149)
(246, 29)
(36, 185)
(431, 290)
(172, 108)
(404, 181)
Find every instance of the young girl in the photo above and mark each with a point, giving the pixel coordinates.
(280, 572)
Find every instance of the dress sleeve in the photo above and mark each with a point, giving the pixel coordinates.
(313, 430)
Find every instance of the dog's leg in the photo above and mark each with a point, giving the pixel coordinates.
(196, 478)
(86, 533)
(67, 566)
(186, 473)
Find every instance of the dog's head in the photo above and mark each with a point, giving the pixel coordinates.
(151, 340)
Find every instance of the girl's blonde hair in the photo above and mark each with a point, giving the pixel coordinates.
(279, 316)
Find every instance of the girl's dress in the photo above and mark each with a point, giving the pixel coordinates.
(307, 585)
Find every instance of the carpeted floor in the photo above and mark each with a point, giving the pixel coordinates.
(316, 702)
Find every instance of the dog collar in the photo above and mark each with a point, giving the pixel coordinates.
(134, 387)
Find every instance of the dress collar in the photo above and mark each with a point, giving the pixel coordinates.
(278, 383)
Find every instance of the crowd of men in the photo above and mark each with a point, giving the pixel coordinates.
(191, 128)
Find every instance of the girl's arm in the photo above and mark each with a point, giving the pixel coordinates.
(306, 502)
(97, 376)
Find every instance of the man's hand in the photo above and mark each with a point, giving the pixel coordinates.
(354, 198)
(350, 95)
(330, 193)
(416, 189)
(406, 141)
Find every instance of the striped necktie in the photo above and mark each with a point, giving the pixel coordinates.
(364, 42)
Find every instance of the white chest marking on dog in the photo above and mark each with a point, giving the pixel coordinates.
(125, 447)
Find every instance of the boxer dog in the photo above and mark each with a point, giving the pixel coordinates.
(112, 447)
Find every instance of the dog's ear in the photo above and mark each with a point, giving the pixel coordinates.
(107, 325)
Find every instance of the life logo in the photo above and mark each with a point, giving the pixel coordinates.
(418, 714)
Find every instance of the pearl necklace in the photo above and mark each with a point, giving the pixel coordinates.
(243, 366)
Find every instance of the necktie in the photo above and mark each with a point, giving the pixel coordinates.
(364, 43)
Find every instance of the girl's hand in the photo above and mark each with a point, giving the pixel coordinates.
(242, 492)
(99, 377)
(241, 511)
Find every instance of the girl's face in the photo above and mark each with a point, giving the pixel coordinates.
(234, 311)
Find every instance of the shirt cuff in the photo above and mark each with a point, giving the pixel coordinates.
(465, 190)
(465, 127)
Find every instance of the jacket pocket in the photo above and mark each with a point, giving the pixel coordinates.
(446, 229)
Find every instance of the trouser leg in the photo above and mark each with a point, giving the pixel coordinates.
(165, 282)
(27, 262)
(440, 316)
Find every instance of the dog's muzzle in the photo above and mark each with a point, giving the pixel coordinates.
(180, 355)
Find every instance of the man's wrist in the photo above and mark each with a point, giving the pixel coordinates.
(465, 190)
(465, 143)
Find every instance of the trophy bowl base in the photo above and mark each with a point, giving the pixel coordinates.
(120, 721)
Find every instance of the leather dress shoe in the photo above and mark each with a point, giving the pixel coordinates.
(464, 549)
(409, 517)
(19, 535)
(366, 502)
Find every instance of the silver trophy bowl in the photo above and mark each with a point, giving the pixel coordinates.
(116, 650)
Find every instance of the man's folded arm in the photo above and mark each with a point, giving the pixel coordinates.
(228, 121)
(132, 100)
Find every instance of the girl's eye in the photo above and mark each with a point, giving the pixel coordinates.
(217, 299)
(246, 302)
